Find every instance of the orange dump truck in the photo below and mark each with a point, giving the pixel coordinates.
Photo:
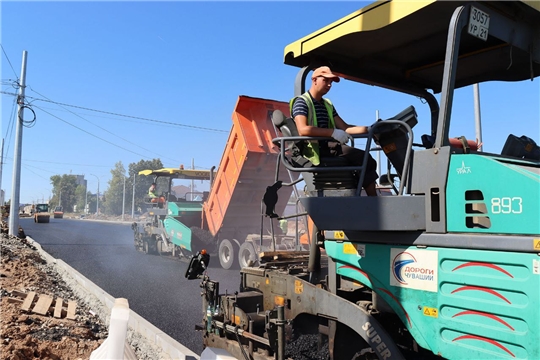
(229, 217)
(233, 210)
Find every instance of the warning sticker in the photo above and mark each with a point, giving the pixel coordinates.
(428, 311)
(536, 243)
(354, 249)
(298, 287)
(349, 248)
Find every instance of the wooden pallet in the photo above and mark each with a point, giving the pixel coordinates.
(43, 304)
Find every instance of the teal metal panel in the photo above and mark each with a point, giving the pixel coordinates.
(179, 234)
(486, 195)
(461, 304)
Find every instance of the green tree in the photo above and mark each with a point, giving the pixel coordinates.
(80, 193)
(112, 204)
(91, 203)
(64, 188)
(142, 183)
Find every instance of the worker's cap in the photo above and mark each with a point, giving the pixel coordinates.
(154, 184)
(325, 71)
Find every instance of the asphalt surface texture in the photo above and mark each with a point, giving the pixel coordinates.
(155, 286)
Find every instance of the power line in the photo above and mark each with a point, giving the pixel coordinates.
(102, 128)
(89, 133)
(26, 167)
(11, 126)
(35, 167)
(126, 116)
(108, 113)
(59, 163)
(9, 61)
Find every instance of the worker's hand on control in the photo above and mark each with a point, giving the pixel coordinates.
(340, 135)
(372, 125)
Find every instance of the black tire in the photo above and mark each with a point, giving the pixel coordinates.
(226, 253)
(159, 247)
(246, 255)
(146, 247)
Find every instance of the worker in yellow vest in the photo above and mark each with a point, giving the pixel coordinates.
(317, 116)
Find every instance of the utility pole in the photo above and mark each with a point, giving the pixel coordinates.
(85, 196)
(378, 152)
(133, 198)
(97, 199)
(124, 199)
(16, 180)
(192, 168)
(477, 119)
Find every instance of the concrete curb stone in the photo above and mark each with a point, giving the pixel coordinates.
(141, 333)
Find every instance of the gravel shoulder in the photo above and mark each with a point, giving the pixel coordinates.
(27, 335)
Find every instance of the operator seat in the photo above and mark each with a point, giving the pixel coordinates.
(331, 180)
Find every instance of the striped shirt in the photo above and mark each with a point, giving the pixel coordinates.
(301, 108)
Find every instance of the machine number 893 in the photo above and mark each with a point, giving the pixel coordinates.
(506, 205)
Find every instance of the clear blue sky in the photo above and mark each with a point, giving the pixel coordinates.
(185, 63)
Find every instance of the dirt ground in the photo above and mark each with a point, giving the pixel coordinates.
(27, 335)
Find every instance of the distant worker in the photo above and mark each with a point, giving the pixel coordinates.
(154, 198)
(152, 193)
(324, 121)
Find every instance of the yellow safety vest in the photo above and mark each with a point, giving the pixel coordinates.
(311, 150)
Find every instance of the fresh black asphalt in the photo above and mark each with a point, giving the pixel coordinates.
(155, 286)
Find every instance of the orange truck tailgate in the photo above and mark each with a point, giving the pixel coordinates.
(247, 167)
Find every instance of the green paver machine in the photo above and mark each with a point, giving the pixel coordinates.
(449, 266)
(174, 221)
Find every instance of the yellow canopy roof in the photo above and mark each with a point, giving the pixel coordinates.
(401, 44)
(178, 173)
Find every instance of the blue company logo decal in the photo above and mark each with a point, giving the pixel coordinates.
(401, 260)
(404, 269)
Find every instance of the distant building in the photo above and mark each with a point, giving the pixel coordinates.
(81, 180)
(180, 191)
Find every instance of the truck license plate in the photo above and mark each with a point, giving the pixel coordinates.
(478, 24)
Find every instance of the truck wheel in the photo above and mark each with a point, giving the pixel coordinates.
(246, 255)
(226, 254)
(146, 247)
(159, 247)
